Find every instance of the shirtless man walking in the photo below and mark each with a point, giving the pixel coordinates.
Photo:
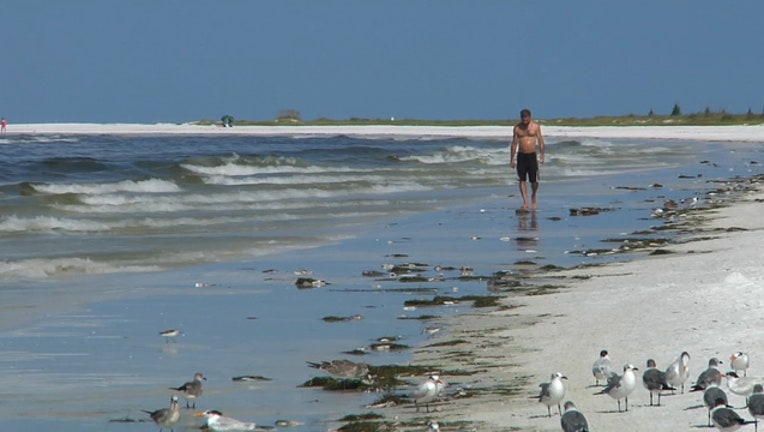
(523, 155)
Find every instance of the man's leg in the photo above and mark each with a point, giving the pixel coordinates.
(535, 188)
(524, 194)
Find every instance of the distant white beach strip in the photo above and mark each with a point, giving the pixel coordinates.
(707, 133)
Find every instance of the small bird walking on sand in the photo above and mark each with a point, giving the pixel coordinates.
(166, 417)
(427, 392)
(654, 381)
(620, 386)
(192, 389)
(678, 371)
(573, 420)
(601, 368)
(712, 375)
(739, 363)
(756, 404)
(217, 422)
(552, 392)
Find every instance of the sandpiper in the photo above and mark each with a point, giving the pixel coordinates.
(170, 334)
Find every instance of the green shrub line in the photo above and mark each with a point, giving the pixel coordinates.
(705, 118)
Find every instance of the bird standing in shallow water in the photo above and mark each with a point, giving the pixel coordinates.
(192, 389)
(166, 417)
(573, 420)
(552, 392)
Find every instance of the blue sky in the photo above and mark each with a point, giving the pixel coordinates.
(183, 60)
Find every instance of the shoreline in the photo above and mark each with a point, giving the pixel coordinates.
(753, 133)
(703, 297)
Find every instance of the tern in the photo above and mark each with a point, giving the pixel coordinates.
(217, 422)
(427, 392)
(601, 368)
(739, 362)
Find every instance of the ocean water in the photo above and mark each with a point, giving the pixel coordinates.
(108, 239)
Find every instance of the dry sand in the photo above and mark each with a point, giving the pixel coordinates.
(709, 133)
(705, 298)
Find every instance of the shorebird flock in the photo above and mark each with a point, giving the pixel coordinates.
(620, 383)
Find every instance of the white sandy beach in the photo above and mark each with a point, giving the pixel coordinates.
(710, 133)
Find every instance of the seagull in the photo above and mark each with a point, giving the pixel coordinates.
(427, 392)
(726, 419)
(573, 420)
(741, 386)
(678, 372)
(711, 396)
(756, 404)
(620, 386)
(170, 334)
(216, 421)
(552, 392)
(192, 389)
(739, 362)
(166, 417)
(712, 375)
(654, 380)
(343, 368)
(601, 368)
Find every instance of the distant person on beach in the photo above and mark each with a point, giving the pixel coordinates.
(3, 124)
(523, 156)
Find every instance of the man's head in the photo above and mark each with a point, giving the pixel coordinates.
(525, 116)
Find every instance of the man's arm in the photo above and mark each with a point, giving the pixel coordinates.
(541, 144)
(513, 148)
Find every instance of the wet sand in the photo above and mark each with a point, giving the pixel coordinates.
(705, 297)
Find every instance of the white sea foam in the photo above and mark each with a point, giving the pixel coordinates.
(44, 268)
(14, 223)
(145, 186)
